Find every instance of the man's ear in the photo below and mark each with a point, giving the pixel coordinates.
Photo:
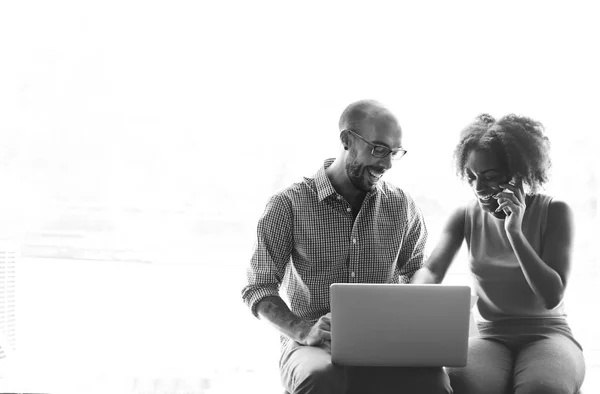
(345, 139)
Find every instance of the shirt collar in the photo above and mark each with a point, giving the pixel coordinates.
(325, 188)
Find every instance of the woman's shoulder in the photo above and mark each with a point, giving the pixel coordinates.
(558, 210)
(552, 202)
(456, 219)
(470, 207)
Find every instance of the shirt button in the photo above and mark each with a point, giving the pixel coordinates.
(352, 274)
(339, 197)
(353, 240)
(348, 209)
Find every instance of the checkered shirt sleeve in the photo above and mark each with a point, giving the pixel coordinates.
(272, 251)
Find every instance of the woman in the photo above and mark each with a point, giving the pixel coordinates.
(519, 247)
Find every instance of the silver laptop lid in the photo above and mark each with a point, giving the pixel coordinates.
(399, 325)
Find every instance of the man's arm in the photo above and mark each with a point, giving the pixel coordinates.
(274, 310)
(272, 251)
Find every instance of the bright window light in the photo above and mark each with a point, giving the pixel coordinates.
(140, 141)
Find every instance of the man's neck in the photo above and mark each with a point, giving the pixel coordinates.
(341, 183)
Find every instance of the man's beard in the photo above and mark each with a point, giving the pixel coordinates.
(356, 174)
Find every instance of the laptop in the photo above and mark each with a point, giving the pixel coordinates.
(399, 324)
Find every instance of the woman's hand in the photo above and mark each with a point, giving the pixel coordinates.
(512, 200)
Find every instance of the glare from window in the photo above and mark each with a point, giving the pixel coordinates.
(139, 143)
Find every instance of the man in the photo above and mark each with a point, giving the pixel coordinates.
(345, 224)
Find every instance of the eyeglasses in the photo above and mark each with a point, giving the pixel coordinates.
(380, 151)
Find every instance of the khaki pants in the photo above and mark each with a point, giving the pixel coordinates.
(308, 369)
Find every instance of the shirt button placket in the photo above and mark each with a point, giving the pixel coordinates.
(354, 246)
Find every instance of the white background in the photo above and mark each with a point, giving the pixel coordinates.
(170, 123)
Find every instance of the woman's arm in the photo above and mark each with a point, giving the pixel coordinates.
(448, 245)
(547, 274)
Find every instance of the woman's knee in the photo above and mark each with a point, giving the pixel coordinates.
(538, 370)
(466, 381)
(489, 369)
(537, 386)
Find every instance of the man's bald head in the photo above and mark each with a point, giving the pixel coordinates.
(362, 112)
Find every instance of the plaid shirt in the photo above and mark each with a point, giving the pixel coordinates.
(307, 239)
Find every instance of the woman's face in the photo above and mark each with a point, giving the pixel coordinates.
(485, 174)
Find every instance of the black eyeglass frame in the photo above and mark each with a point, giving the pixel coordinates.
(397, 153)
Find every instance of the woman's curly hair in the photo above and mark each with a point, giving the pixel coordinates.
(519, 141)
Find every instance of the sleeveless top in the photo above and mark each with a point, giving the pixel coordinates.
(499, 281)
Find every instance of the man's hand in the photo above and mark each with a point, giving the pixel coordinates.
(319, 334)
(275, 311)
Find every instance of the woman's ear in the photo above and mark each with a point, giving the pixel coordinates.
(516, 180)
